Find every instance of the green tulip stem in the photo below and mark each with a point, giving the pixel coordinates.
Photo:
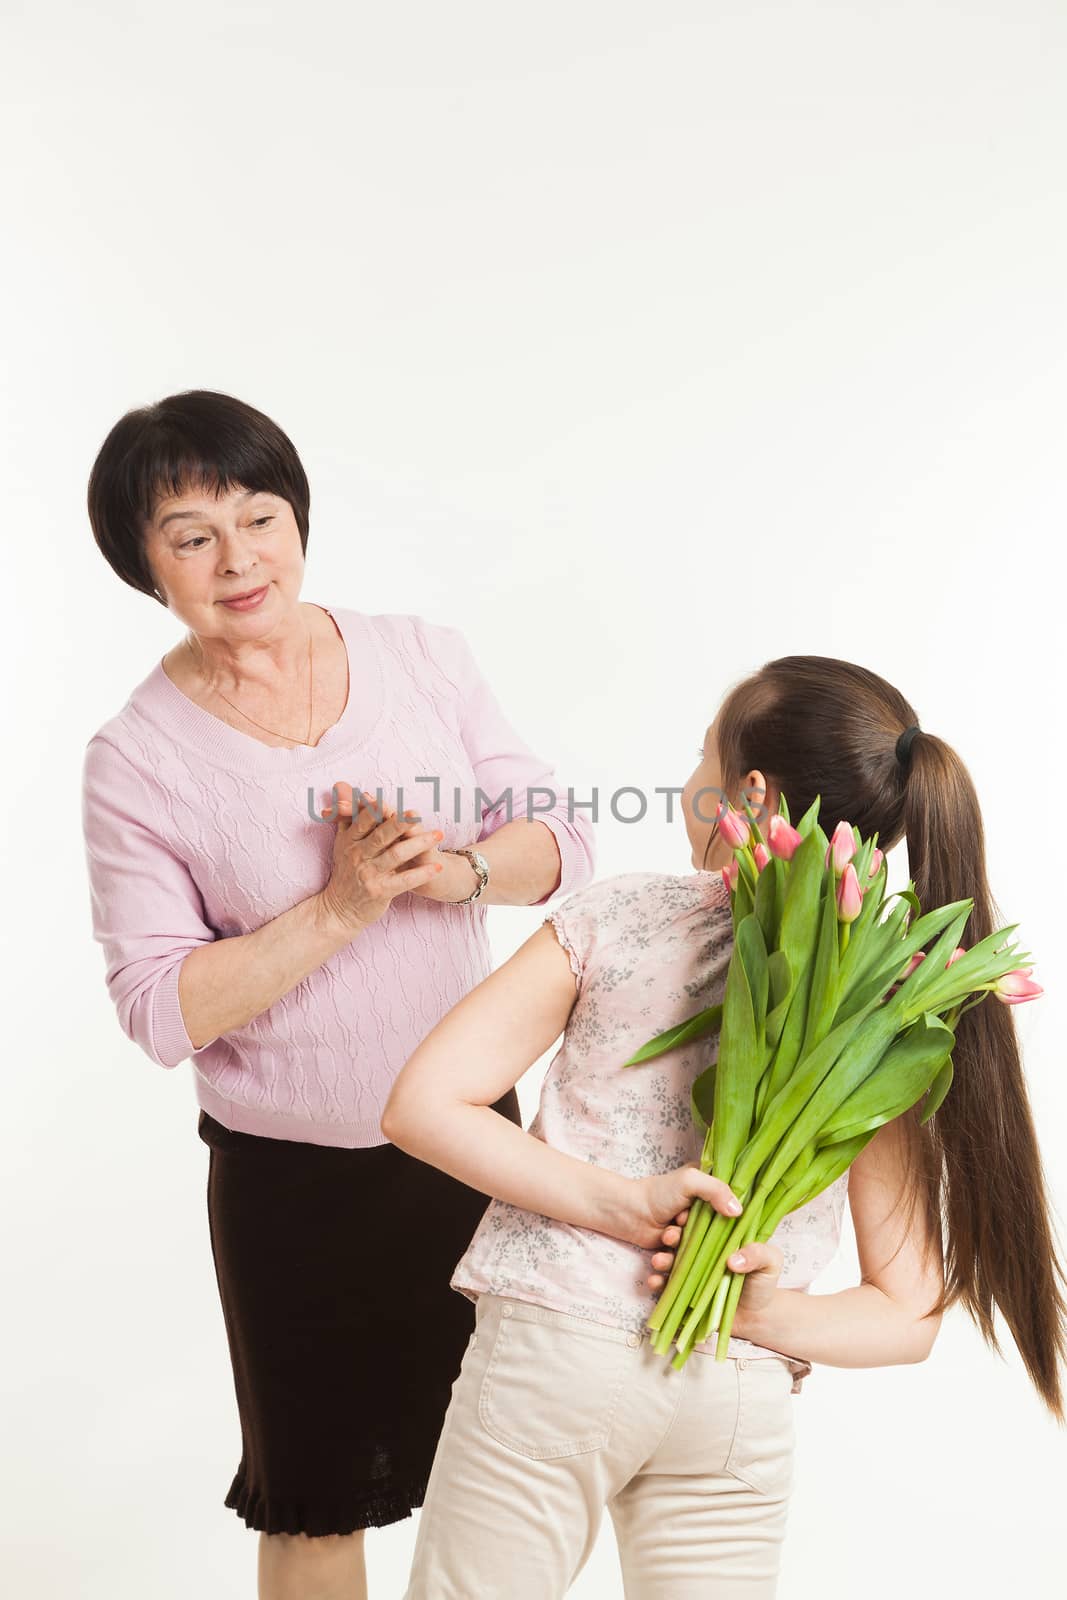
(737, 1283)
(713, 1250)
(746, 1229)
(709, 1322)
(678, 1293)
(715, 1310)
(695, 1230)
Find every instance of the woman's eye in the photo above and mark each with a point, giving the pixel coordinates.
(188, 545)
(261, 522)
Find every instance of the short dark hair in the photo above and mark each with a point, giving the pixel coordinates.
(197, 438)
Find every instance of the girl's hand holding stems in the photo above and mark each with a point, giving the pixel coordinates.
(440, 1110)
(761, 1262)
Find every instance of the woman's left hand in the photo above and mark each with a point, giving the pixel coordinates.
(760, 1263)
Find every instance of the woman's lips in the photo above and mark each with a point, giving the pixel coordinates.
(247, 602)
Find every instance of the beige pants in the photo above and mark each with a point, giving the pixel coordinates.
(553, 1418)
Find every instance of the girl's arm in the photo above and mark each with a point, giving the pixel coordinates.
(440, 1108)
(878, 1323)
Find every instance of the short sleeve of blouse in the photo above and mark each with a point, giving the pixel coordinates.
(575, 924)
(581, 921)
(634, 907)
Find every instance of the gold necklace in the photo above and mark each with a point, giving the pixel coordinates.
(277, 735)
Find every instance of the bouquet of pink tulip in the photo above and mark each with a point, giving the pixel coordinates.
(834, 1020)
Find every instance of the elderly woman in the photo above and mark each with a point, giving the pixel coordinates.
(279, 826)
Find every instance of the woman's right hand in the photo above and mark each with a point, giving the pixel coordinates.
(374, 859)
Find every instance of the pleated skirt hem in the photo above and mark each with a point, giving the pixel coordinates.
(271, 1514)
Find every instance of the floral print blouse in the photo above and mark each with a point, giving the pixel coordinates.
(648, 950)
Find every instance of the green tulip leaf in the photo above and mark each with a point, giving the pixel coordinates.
(740, 1044)
(822, 999)
(937, 1091)
(808, 820)
(902, 1076)
(698, 1027)
(766, 904)
(753, 953)
(742, 902)
(702, 1098)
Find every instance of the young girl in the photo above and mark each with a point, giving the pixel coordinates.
(561, 1408)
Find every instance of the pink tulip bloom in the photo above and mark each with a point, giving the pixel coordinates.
(781, 838)
(762, 855)
(917, 958)
(960, 950)
(841, 849)
(729, 873)
(876, 861)
(734, 829)
(849, 898)
(1015, 987)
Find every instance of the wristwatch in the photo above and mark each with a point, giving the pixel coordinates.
(481, 867)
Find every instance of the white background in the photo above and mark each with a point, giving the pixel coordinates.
(643, 343)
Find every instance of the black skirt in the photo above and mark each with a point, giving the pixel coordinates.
(345, 1338)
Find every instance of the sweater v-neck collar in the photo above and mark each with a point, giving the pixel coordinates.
(160, 699)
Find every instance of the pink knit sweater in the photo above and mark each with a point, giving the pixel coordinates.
(195, 831)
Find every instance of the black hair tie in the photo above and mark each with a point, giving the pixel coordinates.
(904, 743)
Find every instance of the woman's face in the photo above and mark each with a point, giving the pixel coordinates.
(204, 548)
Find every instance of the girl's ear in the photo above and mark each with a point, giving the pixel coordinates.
(755, 791)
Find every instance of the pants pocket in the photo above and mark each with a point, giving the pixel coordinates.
(762, 1452)
(550, 1388)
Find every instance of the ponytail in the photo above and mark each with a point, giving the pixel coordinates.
(977, 1162)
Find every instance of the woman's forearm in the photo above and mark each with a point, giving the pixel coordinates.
(857, 1327)
(524, 863)
(223, 985)
(488, 1152)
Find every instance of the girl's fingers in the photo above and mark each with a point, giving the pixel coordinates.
(656, 1280)
(663, 1259)
(717, 1194)
(757, 1256)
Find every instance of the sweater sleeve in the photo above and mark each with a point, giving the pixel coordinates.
(503, 763)
(147, 912)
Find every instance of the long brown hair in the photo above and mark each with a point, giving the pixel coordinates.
(818, 726)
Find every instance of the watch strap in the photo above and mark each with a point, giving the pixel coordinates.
(481, 867)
